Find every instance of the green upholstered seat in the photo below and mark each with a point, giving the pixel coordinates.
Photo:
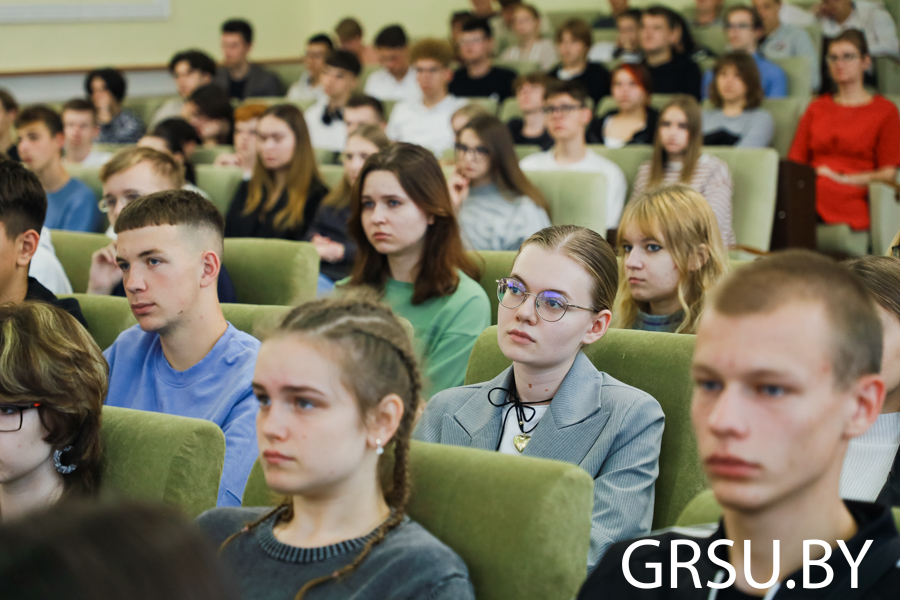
(111, 148)
(657, 363)
(605, 34)
(522, 525)
(206, 156)
(558, 17)
(521, 67)
(145, 108)
(839, 239)
(219, 183)
(888, 70)
(509, 110)
(574, 198)
(628, 158)
(524, 150)
(494, 265)
(331, 175)
(324, 157)
(90, 176)
(288, 73)
(489, 104)
(799, 75)
(108, 316)
(162, 458)
(884, 211)
(275, 100)
(786, 114)
(269, 271)
(74, 250)
(713, 37)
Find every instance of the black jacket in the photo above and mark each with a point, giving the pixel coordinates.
(331, 222)
(39, 293)
(878, 573)
(890, 493)
(237, 224)
(644, 136)
(595, 78)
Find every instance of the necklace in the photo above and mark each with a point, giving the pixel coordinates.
(523, 416)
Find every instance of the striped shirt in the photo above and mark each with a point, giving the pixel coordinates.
(712, 179)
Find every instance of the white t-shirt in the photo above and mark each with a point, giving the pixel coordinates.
(304, 90)
(384, 86)
(413, 122)
(47, 269)
(616, 185)
(95, 158)
(874, 21)
(326, 137)
(511, 426)
(869, 459)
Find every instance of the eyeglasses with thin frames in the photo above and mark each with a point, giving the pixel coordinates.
(564, 109)
(836, 58)
(476, 152)
(550, 306)
(11, 415)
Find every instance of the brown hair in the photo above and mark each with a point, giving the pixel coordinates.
(778, 279)
(880, 275)
(746, 70)
(8, 101)
(505, 171)
(376, 359)
(421, 177)
(855, 37)
(46, 356)
(682, 221)
(572, 88)
(174, 207)
(471, 111)
(587, 248)
(80, 105)
(163, 164)
(578, 29)
(301, 173)
(248, 112)
(348, 29)
(535, 78)
(529, 7)
(688, 105)
(339, 197)
(432, 49)
(40, 113)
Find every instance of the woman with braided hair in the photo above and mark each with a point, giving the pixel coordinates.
(337, 383)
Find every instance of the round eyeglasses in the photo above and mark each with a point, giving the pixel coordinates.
(550, 306)
(11, 415)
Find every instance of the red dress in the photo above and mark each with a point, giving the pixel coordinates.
(848, 139)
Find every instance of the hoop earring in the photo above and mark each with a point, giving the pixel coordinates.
(61, 468)
(379, 449)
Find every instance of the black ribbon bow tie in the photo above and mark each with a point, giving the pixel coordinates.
(524, 411)
(329, 115)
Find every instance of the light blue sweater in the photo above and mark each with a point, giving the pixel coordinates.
(73, 207)
(216, 389)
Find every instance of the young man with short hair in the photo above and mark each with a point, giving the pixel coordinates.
(427, 121)
(183, 357)
(350, 37)
(23, 205)
(70, 203)
(190, 69)
(395, 80)
(671, 72)
(782, 40)
(708, 13)
(309, 86)
(80, 127)
(574, 40)
(478, 77)
(238, 76)
(363, 110)
(325, 118)
(876, 23)
(744, 28)
(567, 115)
(785, 373)
(9, 110)
(627, 45)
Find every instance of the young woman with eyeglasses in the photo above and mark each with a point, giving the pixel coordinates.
(849, 137)
(53, 380)
(552, 402)
(498, 207)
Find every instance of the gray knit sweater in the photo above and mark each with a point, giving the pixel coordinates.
(408, 563)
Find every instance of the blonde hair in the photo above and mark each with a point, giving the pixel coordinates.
(163, 164)
(691, 110)
(682, 220)
(432, 49)
(339, 197)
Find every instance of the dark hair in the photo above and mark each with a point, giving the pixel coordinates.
(213, 103)
(42, 114)
(460, 16)
(341, 59)
(80, 105)
(421, 177)
(360, 100)
(113, 80)
(47, 357)
(572, 88)
(505, 172)
(754, 16)
(348, 28)
(746, 70)
(239, 26)
(301, 173)
(197, 59)
(177, 132)
(173, 207)
(578, 29)
(630, 13)
(8, 101)
(661, 11)
(534, 78)
(773, 281)
(109, 551)
(686, 45)
(855, 37)
(321, 38)
(880, 275)
(23, 202)
(691, 109)
(391, 36)
(476, 24)
(376, 359)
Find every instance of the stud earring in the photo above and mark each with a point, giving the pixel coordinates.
(57, 462)
(379, 449)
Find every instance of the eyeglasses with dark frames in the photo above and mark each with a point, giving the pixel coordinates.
(11, 415)
(550, 306)
(477, 152)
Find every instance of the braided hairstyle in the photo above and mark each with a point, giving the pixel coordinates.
(377, 360)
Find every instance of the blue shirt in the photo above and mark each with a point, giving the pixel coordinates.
(772, 77)
(73, 207)
(216, 389)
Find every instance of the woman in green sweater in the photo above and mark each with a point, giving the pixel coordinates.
(410, 251)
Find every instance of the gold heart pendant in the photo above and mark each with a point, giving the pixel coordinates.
(520, 441)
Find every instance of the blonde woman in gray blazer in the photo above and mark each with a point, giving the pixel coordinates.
(552, 402)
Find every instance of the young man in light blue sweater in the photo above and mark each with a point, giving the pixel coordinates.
(183, 357)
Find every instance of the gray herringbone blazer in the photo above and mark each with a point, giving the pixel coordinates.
(610, 429)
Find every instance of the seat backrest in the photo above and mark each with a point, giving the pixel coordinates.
(521, 67)
(324, 157)
(145, 108)
(786, 114)
(207, 156)
(270, 271)
(628, 158)
(523, 530)
(888, 71)
(523, 150)
(489, 104)
(657, 363)
(331, 175)
(74, 250)
(558, 17)
(605, 34)
(885, 215)
(799, 75)
(574, 198)
(712, 36)
(658, 101)
(220, 184)
(494, 265)
(509, 110)
(754, 173)
(89, 176)
(162, 458)
(288, 73)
